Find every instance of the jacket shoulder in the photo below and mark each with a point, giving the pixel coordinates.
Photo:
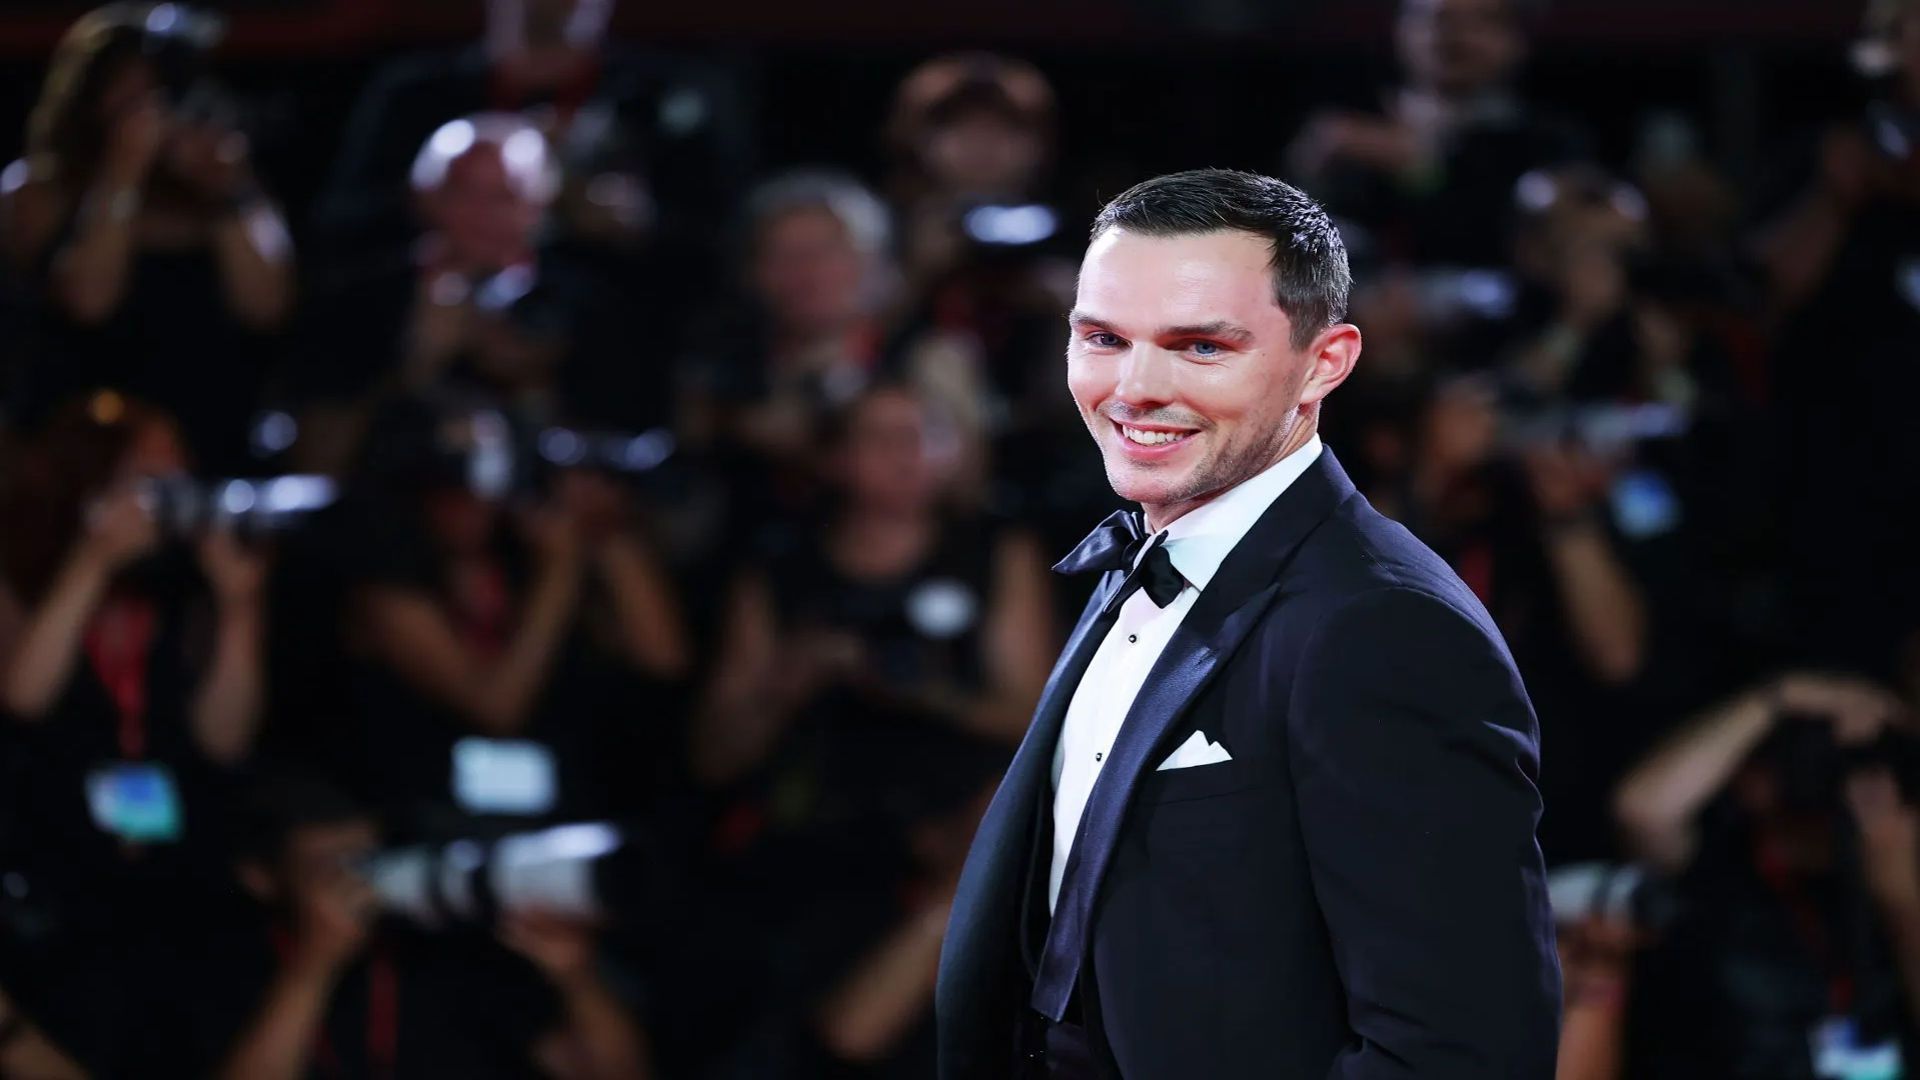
(1359, 552)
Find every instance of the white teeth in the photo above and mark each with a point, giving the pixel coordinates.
(1150, 438)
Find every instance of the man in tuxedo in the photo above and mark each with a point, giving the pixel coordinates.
(1275, 813)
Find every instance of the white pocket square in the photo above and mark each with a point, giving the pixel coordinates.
(1197, 750)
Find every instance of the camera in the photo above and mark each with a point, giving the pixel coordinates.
(175, 39)
(1810, 766)
(185, 506)
(437, 442)
(584, 871)
(1614, 891)
(1601, 429)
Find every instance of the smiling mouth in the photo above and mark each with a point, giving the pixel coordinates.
(1151, 437)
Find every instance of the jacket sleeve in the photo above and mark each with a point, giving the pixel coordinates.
(1415, 756)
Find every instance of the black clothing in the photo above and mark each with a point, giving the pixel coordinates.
(1357, 893)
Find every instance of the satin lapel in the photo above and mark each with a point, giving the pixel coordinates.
(1001, 844)
(1232, 604)
(1192, 657)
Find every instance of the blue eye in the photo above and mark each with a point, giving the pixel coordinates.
(1205, 348)
(1100, 339)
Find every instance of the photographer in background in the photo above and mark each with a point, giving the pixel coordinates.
(893, 609)
(1786, 815)
(476, 302)
(159, 263)
(133, 680)
(654, 141)
(1845, 278)
(317, 986)
(494, 635)
(1430, 172)
(803, 338)
(967, 130)
(988, 271)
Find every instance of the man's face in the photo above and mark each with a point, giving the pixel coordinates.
(1459, 47)
(1181, 363)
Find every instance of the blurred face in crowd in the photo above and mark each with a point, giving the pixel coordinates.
(808, 271)
(312, 859)
(461, 522)
(1182, 364)
(1799, 836)
(155, 451)
(982, 154)
(131, 85)
(1461, 428)
(887, 458)
(482, 212)
(1459, 47)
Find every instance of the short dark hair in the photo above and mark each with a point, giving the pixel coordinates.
(275, 807)
(1311, 278)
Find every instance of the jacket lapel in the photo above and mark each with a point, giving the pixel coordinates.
(1227, 609)
(987, 901)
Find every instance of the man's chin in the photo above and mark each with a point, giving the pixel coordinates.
(1144, 484)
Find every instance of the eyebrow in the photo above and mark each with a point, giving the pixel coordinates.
(1221, 329)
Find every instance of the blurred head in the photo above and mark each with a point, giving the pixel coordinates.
(818, 242)
(1573, 212)
(1207, 329)
(440, 460)
(889, 451)
(99, 73)
(514, 25)
(299, 836)
(1889, 44)
(85, 448)
(1460, 48)
(483, 184)
(976, 127)
(1460, 428)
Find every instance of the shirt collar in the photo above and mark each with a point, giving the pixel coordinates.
(1200, 540)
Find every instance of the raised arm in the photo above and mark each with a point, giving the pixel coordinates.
(598, 1039)
(89, 271)
(333, 919)
(46, 646)
(408, 631)
(1658, 801)
(227, 703)
(1415, 758)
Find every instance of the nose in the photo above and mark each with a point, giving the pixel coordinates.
(1146, 377)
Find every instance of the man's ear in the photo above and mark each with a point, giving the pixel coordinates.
(1330, 358)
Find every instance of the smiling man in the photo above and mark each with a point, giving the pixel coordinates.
(1275, 813)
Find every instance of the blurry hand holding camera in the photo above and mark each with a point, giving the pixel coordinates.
(120, 528)
(333, 917)
(134, 143)
(235, 572)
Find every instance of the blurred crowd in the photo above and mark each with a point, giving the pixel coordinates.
(559, 604)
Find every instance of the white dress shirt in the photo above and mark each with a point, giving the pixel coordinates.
(1197, 543)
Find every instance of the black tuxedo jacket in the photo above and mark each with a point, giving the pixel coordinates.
(1357, 893)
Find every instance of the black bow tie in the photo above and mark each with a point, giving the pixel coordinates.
(1117, 545)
